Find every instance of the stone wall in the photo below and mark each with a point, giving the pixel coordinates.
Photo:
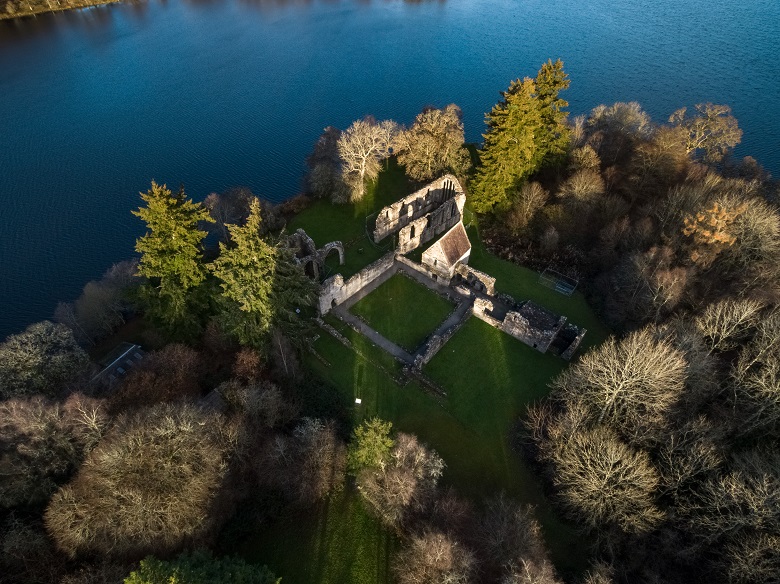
(481, 309)
(477, 280)
(569, 352)
(518, 326)
(335, 290)
(436, 342)
(431, 225)
(416, 206)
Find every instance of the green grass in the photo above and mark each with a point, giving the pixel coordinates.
(403, 311)
(337, 542)
(490, 378)
(326, 222)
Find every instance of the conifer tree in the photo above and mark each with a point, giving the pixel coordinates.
(261, 285)
(526, 131)
(552, 138)
(171, 259)
(509, 154)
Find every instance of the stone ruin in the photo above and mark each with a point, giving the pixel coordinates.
(532, 324)
(474, 279)
(418, 218)
(311, 258)
(336, 290)
(421, 216)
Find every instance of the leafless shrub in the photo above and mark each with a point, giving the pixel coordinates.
(434, 558)
(169, 374)
(148, 486)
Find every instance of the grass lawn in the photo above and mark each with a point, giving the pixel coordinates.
(335, 543)
(325, 222)
(490, 379)
(403, 311)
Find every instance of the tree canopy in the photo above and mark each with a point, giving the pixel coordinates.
(171, 258)
(434, 144)
(526, 131)
(200, 568)
(42, 359)
(262, 287)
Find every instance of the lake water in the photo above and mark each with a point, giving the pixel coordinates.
(213, 94)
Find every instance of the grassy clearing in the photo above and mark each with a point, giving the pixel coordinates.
(325, 222)
(365, 347)
(334, 543)
(403, 311)
(490, 378)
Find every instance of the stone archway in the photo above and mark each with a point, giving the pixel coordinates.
(328, 248)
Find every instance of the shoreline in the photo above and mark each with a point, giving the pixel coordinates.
(47, 7)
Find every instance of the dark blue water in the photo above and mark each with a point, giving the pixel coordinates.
(212, 94)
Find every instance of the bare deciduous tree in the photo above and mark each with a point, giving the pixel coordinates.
(362, 147)
(434, 558)
(103, 304)
(434, 144)
(531, 572)
(324, 177)
(584, 187)
(725, 325)
(584, 158)
(41, 442)
(602, 481)
(752, 559)
(147, 487)
(166, 375)
(510, 540)
(306, 466)
(407, 483)
(530, 199)
(631, 384)
(688, 456)
(713, 130)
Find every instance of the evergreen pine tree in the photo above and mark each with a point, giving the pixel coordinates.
(526, 131)
(261, 284)
(509, 154)
(552, 138)
(171, 259)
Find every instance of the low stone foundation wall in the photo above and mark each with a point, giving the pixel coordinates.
(402, 259)
(436, 342)
(480, 310)
(335, 290)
